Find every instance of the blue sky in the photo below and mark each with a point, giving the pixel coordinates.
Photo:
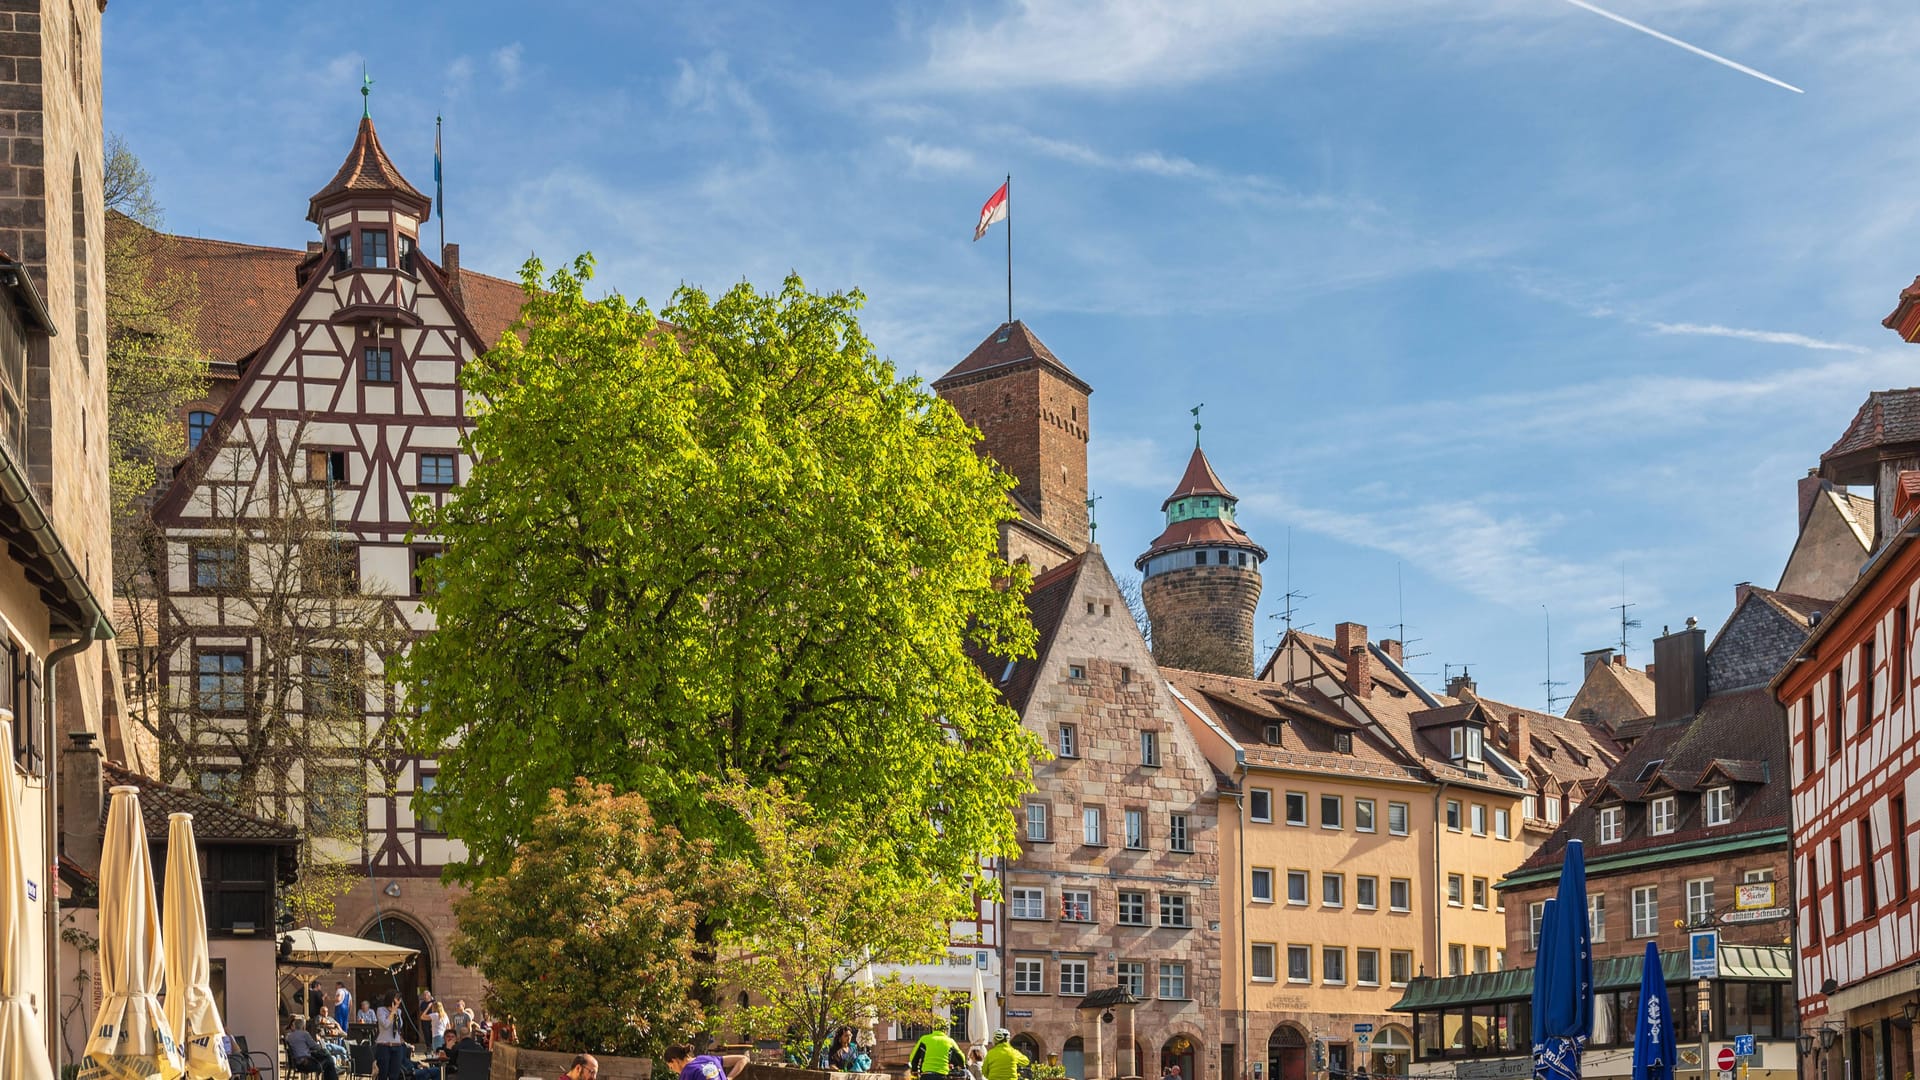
(1487, 303)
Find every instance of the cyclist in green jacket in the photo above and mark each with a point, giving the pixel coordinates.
(936, 1054)
(1003, 1061)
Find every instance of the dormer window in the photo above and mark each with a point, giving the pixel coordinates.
(1613, 824)
(1718, 805)
(1273, 734)
(1662, 815)
(1343, 743)
(373, 248)
(1466, 742)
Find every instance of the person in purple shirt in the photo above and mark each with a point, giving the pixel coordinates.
(682, 1063)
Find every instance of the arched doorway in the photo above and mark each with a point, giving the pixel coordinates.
(1287, 1053)
(1392, 1052)
(1028, 1045)
(1178, 1052)
(373, 984)
(1073, 1058)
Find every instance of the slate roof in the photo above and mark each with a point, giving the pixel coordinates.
(1010, 343)
(212, 819)
(1199, 479)
(1763, 633)
(368, 170)
(1887, 416)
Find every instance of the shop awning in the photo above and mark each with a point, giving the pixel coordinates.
(1749, 963)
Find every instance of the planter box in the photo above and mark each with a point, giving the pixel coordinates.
(513, 1062)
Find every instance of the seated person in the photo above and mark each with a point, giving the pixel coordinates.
(465, 1038)
(306, 1054)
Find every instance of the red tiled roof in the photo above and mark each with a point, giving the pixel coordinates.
(1198, 532)
(1011, 343)
(212, 819)
(1244, 707)
(1887, 416)
(1199, 479)
(367, 169)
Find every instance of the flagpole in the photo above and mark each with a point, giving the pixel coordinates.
(439, 191)
(1009, 249)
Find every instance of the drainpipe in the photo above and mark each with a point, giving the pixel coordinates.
(1246, 987)
(1439, 878)
(101, 631)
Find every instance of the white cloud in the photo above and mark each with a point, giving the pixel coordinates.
(709, 87)
(507, 65)
(459, 76)
(927, 157)
(1769, 337)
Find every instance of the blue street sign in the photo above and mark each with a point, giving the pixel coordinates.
(1362, 1029)
(1743, 1045)
(1703, 954)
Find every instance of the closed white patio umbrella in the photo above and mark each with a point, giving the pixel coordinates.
(977, 1031)
(191, 1014)
(23, 1034)
(130, 1039)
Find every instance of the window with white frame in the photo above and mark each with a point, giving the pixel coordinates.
(1456, 890)
(1069, 741)
(1131, 908)
(1363, 815)
(1333, 890)
(1137, 829)
(1366, 892)
(1173, 909)
(1613, 824)
(1597, 915)
(1132, 976)
(1091, 819)
(1456, 960)
(1296, 886)
(1719, 805)
(1479, 816)
(1333, 965)
(1397, 818)
(1453, 814)
(1503, 824)
(1036, 821)
(1299, 963)
(1296, 808)
(1699, 900)
(1330, 815)
(1646, 911)
(1260, 805)
(1529, 808)
(1662, 815)
(1177, 838)
(1553, 808)
(1400, 966)
(1029, 975)
(1480, 893)
(1260, 962)
(1400, 894)
(1366, 967)
(1173, 982)
(1262, 885)
(1076, 905)
(1535, 911)
(1025, 903)
(1073, 978)
(1482, 958)
(1150, 748)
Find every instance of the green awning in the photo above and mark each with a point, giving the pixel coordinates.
(1753, 963)
(1598, 865)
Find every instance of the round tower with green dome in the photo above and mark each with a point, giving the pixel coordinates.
(1201, 578)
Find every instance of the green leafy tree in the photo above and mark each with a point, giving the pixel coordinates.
(586, 937)
(735, 542)
(817, 905)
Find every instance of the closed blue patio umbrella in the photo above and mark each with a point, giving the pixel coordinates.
(1563, 975)
(1654, 1053)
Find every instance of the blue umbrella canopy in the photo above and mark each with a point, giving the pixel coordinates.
(1654, 1053)
(1563, 974)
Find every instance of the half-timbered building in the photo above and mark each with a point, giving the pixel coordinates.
(336, 403)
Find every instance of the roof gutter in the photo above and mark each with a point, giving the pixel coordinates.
(14, 276)
(17, 491)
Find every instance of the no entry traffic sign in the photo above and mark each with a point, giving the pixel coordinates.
(1724, 1059)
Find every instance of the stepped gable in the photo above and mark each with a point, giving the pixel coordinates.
(1309, 722)
(368, 170)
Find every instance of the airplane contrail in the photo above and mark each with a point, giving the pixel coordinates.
(1695, 49)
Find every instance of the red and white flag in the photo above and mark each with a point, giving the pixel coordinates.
(993, 212)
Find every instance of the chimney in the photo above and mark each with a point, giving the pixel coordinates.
(1679, 672)
(1740, 593)
(1460, 684)
(1395, 651)
(1593, 658)
(82, 798)
(450, 266)
(1811, 485)
(1620, 660)
(315, 247)
(1350, 640)
(1519, 736)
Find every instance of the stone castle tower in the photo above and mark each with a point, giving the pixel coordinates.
(1201, 578)
(1032, 416)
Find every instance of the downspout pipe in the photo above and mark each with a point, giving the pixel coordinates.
(1439, 879)
(101, 631)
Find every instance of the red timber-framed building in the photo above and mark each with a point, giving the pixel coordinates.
(1855, 742)
(335, 375)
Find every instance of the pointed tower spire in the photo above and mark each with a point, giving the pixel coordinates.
(368, 174)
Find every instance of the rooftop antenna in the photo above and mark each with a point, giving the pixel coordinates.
(1550, 682)
(1288, 599)
(1622, 607)
(1400, 628)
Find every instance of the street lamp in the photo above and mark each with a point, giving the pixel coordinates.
(1911, 1010)
(1806, 1045)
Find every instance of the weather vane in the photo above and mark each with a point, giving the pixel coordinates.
(1093, 527)
(1196, 422)
(366, 92)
